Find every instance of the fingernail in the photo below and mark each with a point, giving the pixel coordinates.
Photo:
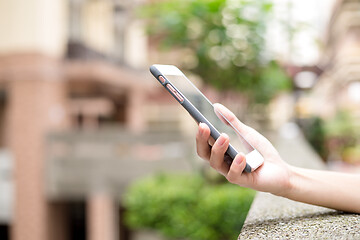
(239, 159)
(222, 139)
(201, 128)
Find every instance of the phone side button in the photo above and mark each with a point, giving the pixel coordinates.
(162, 79)
(179, 97)
(176, 94)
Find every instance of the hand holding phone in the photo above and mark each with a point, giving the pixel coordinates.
(202, 110)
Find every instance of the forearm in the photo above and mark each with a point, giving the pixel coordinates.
(328, 189)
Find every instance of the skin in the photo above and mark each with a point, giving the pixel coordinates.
(334, 190)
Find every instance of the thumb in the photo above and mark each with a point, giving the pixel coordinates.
(254, 138)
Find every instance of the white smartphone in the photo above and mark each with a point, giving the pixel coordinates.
(202, 110)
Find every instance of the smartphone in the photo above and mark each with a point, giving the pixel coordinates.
(202, 110)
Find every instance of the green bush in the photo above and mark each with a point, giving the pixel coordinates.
(185, 206)
(337, 136)
(314, 131)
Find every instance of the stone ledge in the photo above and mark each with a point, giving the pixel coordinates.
(272, 217)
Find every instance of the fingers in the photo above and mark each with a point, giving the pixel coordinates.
(252, 136)
(211, 141)
(202, 146)
(237, 167)
(217, 154)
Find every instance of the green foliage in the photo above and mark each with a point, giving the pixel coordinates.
(342, 132)
(342, 125)
(225, 39)
(185, 206)
(314, 132)
(337, 136)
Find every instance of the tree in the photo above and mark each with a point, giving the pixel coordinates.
(226, 41)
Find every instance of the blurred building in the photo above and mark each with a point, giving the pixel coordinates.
(339, 85)
(81, 117)
(76, 106)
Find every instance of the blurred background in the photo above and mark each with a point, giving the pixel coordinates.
(82, 119)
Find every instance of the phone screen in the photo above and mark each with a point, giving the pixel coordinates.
(204, 105)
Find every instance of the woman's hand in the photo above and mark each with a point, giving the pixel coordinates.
(274, 174)
(316, 187)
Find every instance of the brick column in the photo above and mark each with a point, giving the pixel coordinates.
(134, 111)
(101, 217)
(36, 105)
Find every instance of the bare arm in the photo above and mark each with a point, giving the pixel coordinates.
(329, 189)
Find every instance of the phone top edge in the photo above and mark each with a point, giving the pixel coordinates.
(154, 71)
(167, 69)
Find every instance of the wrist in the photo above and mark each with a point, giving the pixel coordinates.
(289, 183)
(294, 178)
